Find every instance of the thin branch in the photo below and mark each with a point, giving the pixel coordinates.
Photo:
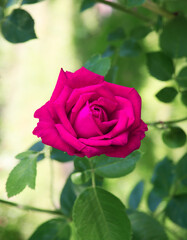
(25, 207)
(166, 122)
(126, 10)
(157, 9)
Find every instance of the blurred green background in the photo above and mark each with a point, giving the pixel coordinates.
(28, 73)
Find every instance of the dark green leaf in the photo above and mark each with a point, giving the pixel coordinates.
(54, 229)
(144, 227)
(98, 214)
(18, 27)
(1, 13)
(153, 200)
(136, 195)
(98, 65)
(163, 177)
(181, 169)
(40, 157)
(182, 78)
(184, 97)
(22, 175)
(133, 3)
(117, 34)
(60, 156)
(112, 74)
(130, 48)
(109, 51)
(67, 197)
(140, 32)
(37, 147)
(173, 38)
(87, 4)
(160, 65)
(80, 177)
(174, 137)
(115, 167)
(167, 94)
(177, 210)
(81, 164)
(30, 1)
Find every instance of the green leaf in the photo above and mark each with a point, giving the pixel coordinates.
(115, 167)
(87, 4)
(1, 13)
(136, 195)
(177, 210)
(54, 229)
(140, 32)
(37, 147)
(167, 94)
(181, 169)
(134, 3)
(67, 197)
(163, 177)
(153, 200)
(80, 177)
(130, 48)
(18, 27)
(174, 137)
(117, 34)
(98, 214)
(109, 52)
(98, 65)
(145, 227)
(22, 175)
(173, 38)
(112, 74)
(184, 97)
(30, 1)
(182, 77)
(25, 155)
(81, 164)
(160, 65)
(60, 156)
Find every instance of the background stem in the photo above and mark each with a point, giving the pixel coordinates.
(166, 122)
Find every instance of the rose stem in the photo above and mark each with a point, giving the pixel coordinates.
(25, 207)
(166, 122)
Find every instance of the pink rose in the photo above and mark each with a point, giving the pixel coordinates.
(87, 116)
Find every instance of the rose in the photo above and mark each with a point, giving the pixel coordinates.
(87, 116)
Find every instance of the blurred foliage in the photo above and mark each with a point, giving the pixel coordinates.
(148, 55)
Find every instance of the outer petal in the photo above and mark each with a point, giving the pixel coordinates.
(132, 95)
(83, 77)
(59, 85)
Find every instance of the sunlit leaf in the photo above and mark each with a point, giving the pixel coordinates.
(23, 174)
(98, 214)
(98, 64)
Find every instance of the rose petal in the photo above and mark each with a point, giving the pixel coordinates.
(68, 138)
(59, 85)
(106, 103)
(59, 106)
(82, 78)
(84, 124)
(120, 140)
(105, 126)
(132, 95)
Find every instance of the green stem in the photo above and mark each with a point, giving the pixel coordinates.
(157, 9)
(174, 233)
(52, 182)
(126, 10)
(166, 122)
(25, 207)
